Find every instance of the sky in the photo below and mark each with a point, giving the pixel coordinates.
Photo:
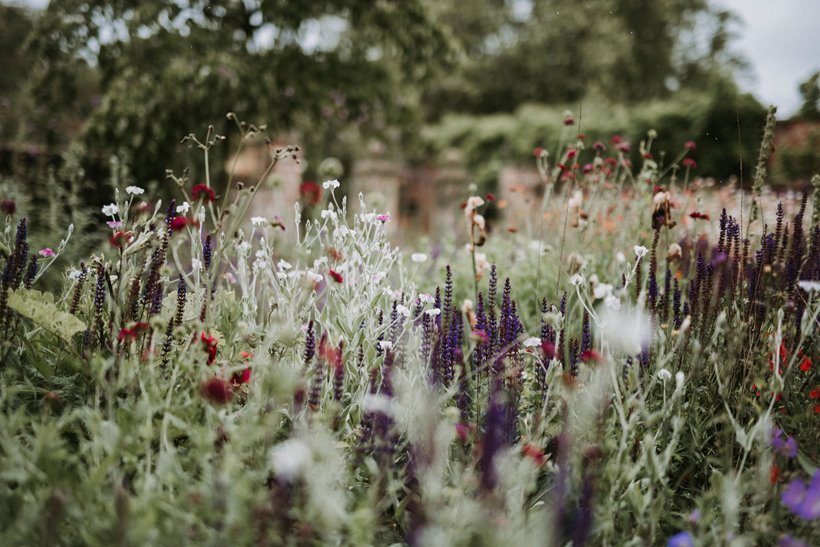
(779, 39)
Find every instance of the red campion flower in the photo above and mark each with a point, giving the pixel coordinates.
(337, 277)
(210, 344)
(815, 393)
(242, 377)
(8, 206)
(548, 348)
(489, 197)
(203, 191)
(538, 151)
(120, 239)
(616, 139)
(131, 333)
(805, 364)
(310, 191)
(697, 215)
(569, 120)
(689, 163)
(216, 390)
(534, 453)
(689, 145)
(591, 356)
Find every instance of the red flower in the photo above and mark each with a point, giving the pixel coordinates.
(311, 191)
(489, 197)
(246, 354)
(690, 145)
(216, 390)
(462, 431)
(569, 120)
(592, 356)
(611, 161)
(587, 168)
(548, 348)
(616, 139)
(697, 215)
(538, 151)
(774, 474)
(581, 136)
(571, 153)
(805, 364)
(130, 334)
(204, 191)
(599, 146)
(624, 147)
(647, 155)
(689, 163)
(337, 277)
(817, 409)
(243, 377)
(178, 223)
(8, 206)
(815, 393)
(534, 453)
(209, 343)
(121, 239)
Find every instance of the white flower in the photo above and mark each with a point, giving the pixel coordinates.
(290, 458)
(330, 184)
(576, 200)
(679, 378)
(620, 258)
(196, 264)
(258, 221)
(326, 213)
(532, 342)
(385, 345)
(612, 302)
(368, 217)
(403, 310)
(313, 276)
(809, 286)
(74, 275)
(110, 210)
(284, 265)
(184, 208)
(602, 291)
(378, 276)
(626, 330)
(433, 312)
(576, 280)
(134, 190)
(418, 257)
(243, 248)
(664, 374)
(640, 251)
(426, 298)
(343, 230)
(260, 254)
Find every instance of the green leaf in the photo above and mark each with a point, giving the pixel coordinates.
(41, 309)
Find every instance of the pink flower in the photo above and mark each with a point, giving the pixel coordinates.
(114, 224)
(689, 145)
(689, 163)
(47, 252)
(384, 217)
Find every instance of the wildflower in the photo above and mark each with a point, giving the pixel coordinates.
(571, 153)
(681, 539)
(327, 213)
(209, 345)
(110, 210)
(489, 197)
(178, 223)
(196, 264)
(462, 431)
(620, 258)
(336, 276)
(8, 206)
(403, 310)
(290, 458)
(612, 302)
(786, 447)
(426, 298)
(384, 217)
(576, 280)
(216, 390)
(624, 147)
(534, 453)
(310, 191)
(785, 540)
(47, 252)
(690, 145)
(480, 336)
(433, 312)
(576, 200)
(803, 499)
(114, 224)
(626, 330)
(418, 257)
(120, 239)
(203, 191)
(548, 349)
(674, 252)
(640, 251)
(664, 374)
(602, 290)
(134, 190)
(284, 265)
(568, 119)
(809, 286)
(697, 215)
(815, 393)
(330, 184)
(532, 342)
(805, 364)
(680, 377)
(591, 356)
(243, 376)
(183, 208)
(472, 203)
(587, 168)
(774, 474)
(689, 163)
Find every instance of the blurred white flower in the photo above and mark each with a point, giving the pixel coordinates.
(576, 280)
(433, 312)
(426, 298)
(809, 286)
(403, 310)
(290, 458)
(612, 302)
(418, 257)
(602, 291)
(626, 329)
(640, 251)
(284, 265)
(679, 378)
(196, 264)
(110, 210)
(330, 184)
(620, 258)
(184, 208)
(313, 276)
(479, 221)
(368, 217)
(664, 374)
(378, 277)
(674, 251)
(532, 342)
(258, 221)
(576, 200)
(385, 345)
(134, 190)
(327, 213)
(260, 254)
(243, 248)
(661, 198)
(74, 275)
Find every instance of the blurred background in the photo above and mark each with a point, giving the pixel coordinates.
(409, 101)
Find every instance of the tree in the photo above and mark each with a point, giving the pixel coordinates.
(810, 91)
(168, 68)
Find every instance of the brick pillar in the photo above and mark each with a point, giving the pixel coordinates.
(377, 177)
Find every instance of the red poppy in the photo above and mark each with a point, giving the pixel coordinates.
(571, 153)
(311, 191)
(697, 215)
(216, 390)
(337, 277)
(209, 343)
(534, 453)
(204, 191)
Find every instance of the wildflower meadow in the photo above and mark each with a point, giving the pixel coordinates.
(637, 364)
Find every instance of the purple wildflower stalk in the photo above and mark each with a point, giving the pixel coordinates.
(78, 290)
(31, 272)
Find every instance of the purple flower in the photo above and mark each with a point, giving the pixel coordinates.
(788, 541)
(803, 500)
(787, 446)
(681, 539)
(114, 224)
